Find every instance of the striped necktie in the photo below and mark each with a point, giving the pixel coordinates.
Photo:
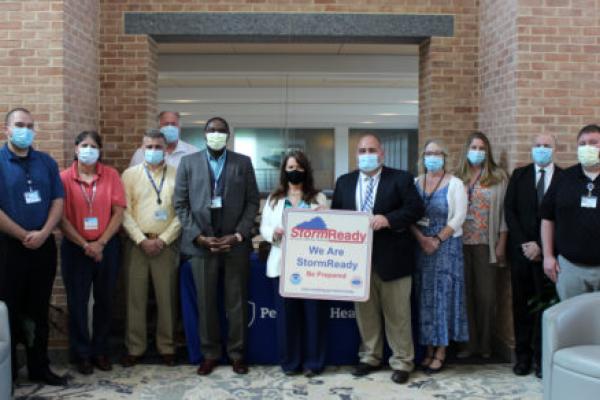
(367, 204)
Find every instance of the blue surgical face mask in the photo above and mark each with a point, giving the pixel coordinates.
(153, 156)
(22, 137)
(542, 156)
(88, 155)
(433, 163)
(171, 133)
(368, 162)
(476, 157)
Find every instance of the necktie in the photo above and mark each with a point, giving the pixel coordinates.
(540, 186)
(367, 204)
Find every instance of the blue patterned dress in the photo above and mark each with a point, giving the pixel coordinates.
(439, 280)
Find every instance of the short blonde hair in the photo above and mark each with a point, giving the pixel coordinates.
(441, 144)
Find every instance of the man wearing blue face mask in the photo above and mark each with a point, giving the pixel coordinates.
(169, 125)
(31, 205)
(390, 195)
(153, 227)
(526, 189)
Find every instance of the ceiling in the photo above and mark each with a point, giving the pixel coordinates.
(312, 85)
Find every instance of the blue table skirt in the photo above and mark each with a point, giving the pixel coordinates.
(342, 333)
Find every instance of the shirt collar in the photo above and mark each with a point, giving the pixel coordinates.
(220, 158)
(548, 169)
(75, 172)
(31, 154)
(375, 177)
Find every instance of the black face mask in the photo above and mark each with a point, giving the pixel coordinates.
(295, 177)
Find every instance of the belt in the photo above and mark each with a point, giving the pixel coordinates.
(151, 236)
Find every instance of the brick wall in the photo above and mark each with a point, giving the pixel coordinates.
(558, 70)
(497, 118)
(31, 66)
(128, 93)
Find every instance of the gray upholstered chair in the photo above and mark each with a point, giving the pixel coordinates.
(5, 370)
(571, 349)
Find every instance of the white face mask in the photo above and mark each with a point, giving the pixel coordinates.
(216, 140)
(588, 155)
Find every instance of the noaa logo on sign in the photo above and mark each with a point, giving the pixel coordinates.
(295, 279)
(356, 281)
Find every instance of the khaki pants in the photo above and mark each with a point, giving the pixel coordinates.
(480, 289)
(163, 271)
(392, 300)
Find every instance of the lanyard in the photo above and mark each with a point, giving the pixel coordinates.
(24, 164)
(217, 172)
(89, 200)
(159, 189)
(428, 198)
(472, 187)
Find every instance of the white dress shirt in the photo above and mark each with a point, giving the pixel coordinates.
(362, 183)
(549, 169)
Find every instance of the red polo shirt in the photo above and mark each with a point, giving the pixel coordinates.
(109, 193)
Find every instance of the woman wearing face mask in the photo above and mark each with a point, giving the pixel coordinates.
(93, 212)
(300, 323)
(484, 239)
(439, 277)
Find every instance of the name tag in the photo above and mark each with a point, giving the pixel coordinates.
(588, 201)
(216, 202)
(423, 222)
(90, 223)
(32, 197)
(161, 215)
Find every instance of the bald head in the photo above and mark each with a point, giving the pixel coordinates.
(544, 140)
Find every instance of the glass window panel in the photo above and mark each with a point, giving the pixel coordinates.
(266, 146)
(399, 146)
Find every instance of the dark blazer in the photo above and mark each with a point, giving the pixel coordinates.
(521, 208)
(193, 196)
(397, 199)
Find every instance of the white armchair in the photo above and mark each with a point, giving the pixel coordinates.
(571, 349)
(5, 370)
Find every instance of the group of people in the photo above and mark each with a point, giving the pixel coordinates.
(175, 203)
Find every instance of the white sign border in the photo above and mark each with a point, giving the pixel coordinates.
(325, 297)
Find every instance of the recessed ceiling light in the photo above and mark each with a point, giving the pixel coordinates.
(179, 101)
(409, 102)
(387, 114)
(367, 122)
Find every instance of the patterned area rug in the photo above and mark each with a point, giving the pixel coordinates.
(155, 382)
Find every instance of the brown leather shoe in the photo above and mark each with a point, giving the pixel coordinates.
(129, 360)
(239, 367)
(102, 363)
(207, 366)
(169, 360)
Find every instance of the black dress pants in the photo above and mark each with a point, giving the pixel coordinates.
(26, 280)
(527, 279)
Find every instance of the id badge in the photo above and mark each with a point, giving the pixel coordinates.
(32, 197)
(589, 201)
(90, 223)
(423, 222)
(216, 202)
(161, 215)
